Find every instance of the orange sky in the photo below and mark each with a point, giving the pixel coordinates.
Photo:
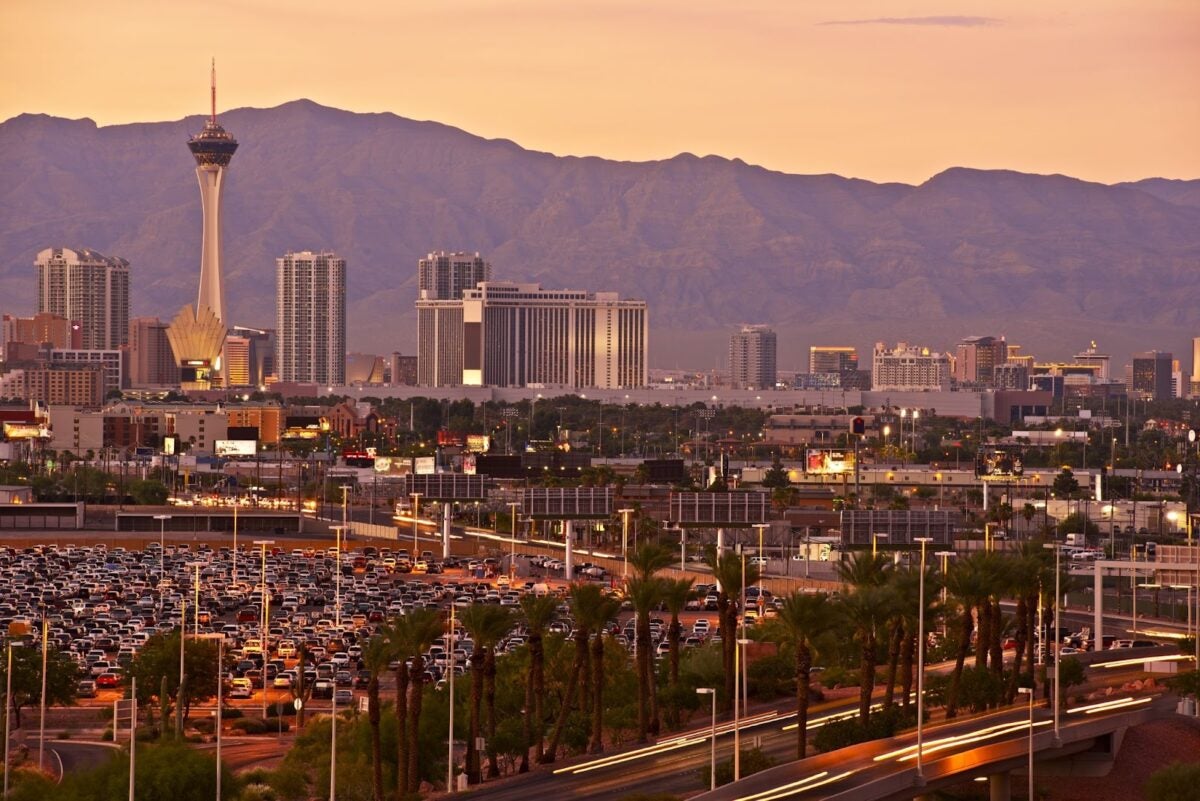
(894, 90)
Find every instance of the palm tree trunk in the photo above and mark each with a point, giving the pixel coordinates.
(728, 627)
(642, 637)
(401, 727)
(474, 772)
(415, 688)
(997, 643)
(596, 746)
(889, 696)
(983, 610)
(866, 676)
(568, 700)
(674, 633)
(537, 657)
(907, 655)
(803, 687)
(489, 694)
(964, 646)
(1019, 636)
(376, 746)
(1031, 626)
(527, 715)
(585, 689)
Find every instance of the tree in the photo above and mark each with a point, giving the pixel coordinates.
(539, 612)
(487, 625)
(1065, 484)
(676, 593)
(61, 678)
(776, 477)
(158, 659)
(602, 614)
(1176, 782)
(645, 593)
(805, 618)
(965, 584)
(583, 598)
(732, 575)
(376, 658)
(866, 608)
(424, 626)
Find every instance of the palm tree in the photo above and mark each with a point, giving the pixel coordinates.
(644, 594)
(676, 593)
(966, 583)
(425, 626)
(376, 658)
(732, 575)
(806, 618)
(398, 636)
(487, 626)
(602, 615)
(867, 609)
(905, 586)
(584, 598)
(539, 612)
(865, 569)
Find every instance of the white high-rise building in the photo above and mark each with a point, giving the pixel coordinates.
(907, 368)
(213, 149)
(752, 358)
(310, 318)
(88, 289)
(445, 276)
(513, 335)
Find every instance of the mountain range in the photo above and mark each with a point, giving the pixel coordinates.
(1049, 261)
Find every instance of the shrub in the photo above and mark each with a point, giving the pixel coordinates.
(249, 725)
(1177, 782)
(843, 733)
(753, 761)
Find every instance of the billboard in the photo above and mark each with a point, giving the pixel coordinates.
(828, 461)
(731, 509)
(998, 463)
(25, 431)
(568, 503)
(478, 443)
(171, 444)
(424, 465)
(446, 487)
(235, 447)
(901, 527)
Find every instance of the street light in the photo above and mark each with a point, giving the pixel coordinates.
(738, 656)
(512, 558)
(945, 555)
(162, 546)
(220, 638)
(875, 541)
(337, 578)
(1029, 691)
(1057, 618)
(760, 527)
(416, 496)
(625, 513)
(921, 661)
(266, 610)
(712, 759)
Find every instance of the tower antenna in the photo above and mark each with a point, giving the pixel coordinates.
(214, 91)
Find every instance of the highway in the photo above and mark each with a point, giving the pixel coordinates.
(672, 765)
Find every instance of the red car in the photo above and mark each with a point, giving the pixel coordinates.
(108, 680)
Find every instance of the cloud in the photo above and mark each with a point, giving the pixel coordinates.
(950, 21)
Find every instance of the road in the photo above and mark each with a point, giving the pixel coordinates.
(76, 755)
(673, 764)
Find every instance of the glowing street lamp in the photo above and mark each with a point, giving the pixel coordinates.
(921, 661)
(712, 759)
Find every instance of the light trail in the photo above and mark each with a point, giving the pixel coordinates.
(800, 786)
(1143, 660)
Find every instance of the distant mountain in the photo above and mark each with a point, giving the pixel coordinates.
(1049, 261)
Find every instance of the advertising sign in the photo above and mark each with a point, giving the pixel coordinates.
(424, 465)
(25, 431)
(235, 447)
(998, 463)
(826, 461)
(478, 443)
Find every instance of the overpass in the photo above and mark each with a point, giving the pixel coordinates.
(994, 748)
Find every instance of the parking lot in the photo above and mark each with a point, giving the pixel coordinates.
(103, 603)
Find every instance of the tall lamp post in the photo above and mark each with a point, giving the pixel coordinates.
(625, 513)
(875, 537)
(945, 555)
(266, 610)
(1029, 691)
(921, 662)
(763, 564)
(1054, 641)
(337, 578)
(162, 546)
(220, 638)
(416, 496)
(712, 736)
(512, 557)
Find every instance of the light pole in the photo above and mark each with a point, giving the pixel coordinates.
(913, 433)
(220, 638)
(450, 732)
(739, 665)
(1055, 639)
(162, 547)
(266, 610)
(945, 568)
(921, 662)
(875, 541)
(712, 758)
(900, 438)
(625, 513)
(1029, 691)
(8, 711)
(512, 558)
(416, 496)
(337, 578)
(761, 527)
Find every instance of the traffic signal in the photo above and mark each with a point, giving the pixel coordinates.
(858, 426)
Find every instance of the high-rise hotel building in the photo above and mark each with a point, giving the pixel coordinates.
(752, 358)
(87, 288)
(445, 276)
(908, 368)
(310, 318)
(512, 335)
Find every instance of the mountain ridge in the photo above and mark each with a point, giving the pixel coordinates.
(709, 241)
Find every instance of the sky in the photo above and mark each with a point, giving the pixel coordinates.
(1105, 90)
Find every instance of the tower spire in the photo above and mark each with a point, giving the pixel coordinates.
(213, 118)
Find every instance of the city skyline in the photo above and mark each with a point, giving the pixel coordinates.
(862, 91)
